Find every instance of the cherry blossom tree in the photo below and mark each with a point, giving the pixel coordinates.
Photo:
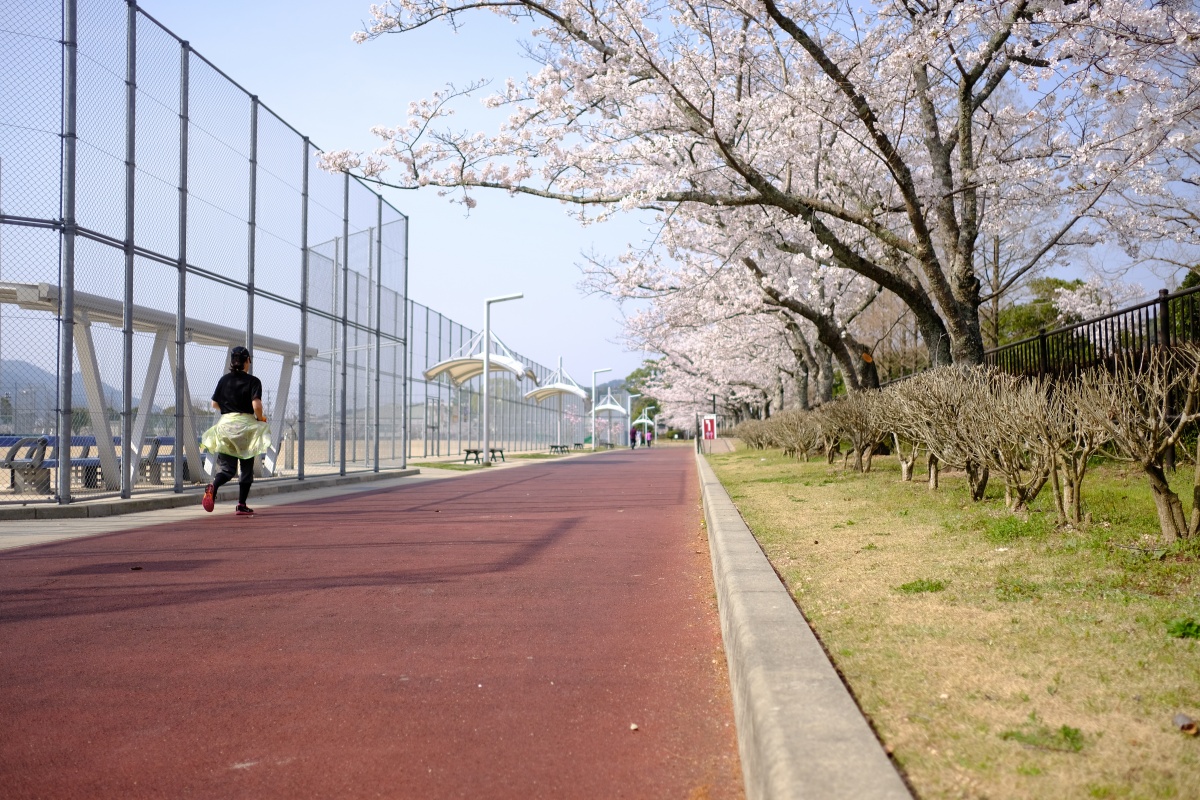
(884, 140)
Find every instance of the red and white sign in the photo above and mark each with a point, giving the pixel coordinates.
(710, 426)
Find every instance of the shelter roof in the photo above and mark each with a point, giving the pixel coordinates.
(558, 384)
(609, 404)
(465, 363)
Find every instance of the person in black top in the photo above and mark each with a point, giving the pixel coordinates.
(241, 434)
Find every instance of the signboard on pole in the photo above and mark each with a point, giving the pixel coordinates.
(710, 426)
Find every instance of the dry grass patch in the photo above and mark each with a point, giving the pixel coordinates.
(996, 656)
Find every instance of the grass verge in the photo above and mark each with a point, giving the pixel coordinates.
(997, 656)
(452, 465)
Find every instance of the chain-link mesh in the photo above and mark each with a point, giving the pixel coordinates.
(190, 195)
(199, 222)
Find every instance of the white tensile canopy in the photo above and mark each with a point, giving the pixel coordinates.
(558, 384)
(644, 420)
(466, 363)
(609, 404)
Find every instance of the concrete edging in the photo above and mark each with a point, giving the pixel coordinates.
(117, 505)
(800, 733)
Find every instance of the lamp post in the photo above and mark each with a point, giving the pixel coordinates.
(629, 412)
(487, 367)
(595, 372)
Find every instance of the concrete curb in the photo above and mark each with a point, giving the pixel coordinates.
(800, 733)
(114, 506)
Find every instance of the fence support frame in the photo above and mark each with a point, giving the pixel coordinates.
(180, 360)
(131, 450)
(302, 403)
(67, 279)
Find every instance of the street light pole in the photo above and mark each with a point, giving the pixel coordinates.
(487, 368)
(595, 372)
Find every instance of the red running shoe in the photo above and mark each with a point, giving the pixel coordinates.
(210, 497)
(243, 511)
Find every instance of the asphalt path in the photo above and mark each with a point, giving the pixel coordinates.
(548, 631)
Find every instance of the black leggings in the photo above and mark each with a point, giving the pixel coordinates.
(229, 468)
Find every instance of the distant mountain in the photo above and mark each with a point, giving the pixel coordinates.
(26, 383)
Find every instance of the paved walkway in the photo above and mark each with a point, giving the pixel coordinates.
(495, 635)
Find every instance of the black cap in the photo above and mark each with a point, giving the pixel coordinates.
(239, 352)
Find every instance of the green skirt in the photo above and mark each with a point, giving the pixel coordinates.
(239, 435)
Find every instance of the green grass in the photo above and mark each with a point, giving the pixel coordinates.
(1184, 628)
(1034, 734)
(453, 465)
(998, 655)
(922, 585)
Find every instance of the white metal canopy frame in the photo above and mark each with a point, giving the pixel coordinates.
(645, 420)
(465, 363)
(90, 309)
(610, 404)
(559, 384)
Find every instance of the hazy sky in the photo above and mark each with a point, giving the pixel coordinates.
(298, 58)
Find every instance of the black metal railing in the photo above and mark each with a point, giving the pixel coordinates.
(1170, 319)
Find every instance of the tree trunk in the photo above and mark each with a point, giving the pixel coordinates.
(870, 457)
(933, 471)
(1059, 506)
(906, 464)
(977, 478)
(825, 375)
(1168, 504)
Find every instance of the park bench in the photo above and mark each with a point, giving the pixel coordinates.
(558, 448)
(24, 459)
(477, 454)
(168, 460)
(30, 459)
(579, 445)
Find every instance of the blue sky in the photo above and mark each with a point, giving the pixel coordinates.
(298, 58)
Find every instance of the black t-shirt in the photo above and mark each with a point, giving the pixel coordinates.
(236, 392)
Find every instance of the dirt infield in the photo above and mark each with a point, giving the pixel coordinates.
(491, 636)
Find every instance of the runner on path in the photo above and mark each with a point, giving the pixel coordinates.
(545, 631)
(241, 435)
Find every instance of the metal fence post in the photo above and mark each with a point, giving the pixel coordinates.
(1043, 352)
(378, 314)
(66, 364)
(181, 292)
(345, 308)
(404, 361)
(251, 220)
(302, 408)
(131, 451)
(1164, 318)
(406, 399)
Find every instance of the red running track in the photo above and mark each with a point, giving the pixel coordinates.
(490, 636)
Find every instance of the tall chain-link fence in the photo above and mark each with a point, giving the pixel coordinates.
(154, 214)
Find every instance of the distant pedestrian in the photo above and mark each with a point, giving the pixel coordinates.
(649, 438)
(641, 438)
(240, 435)
(633, 438)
